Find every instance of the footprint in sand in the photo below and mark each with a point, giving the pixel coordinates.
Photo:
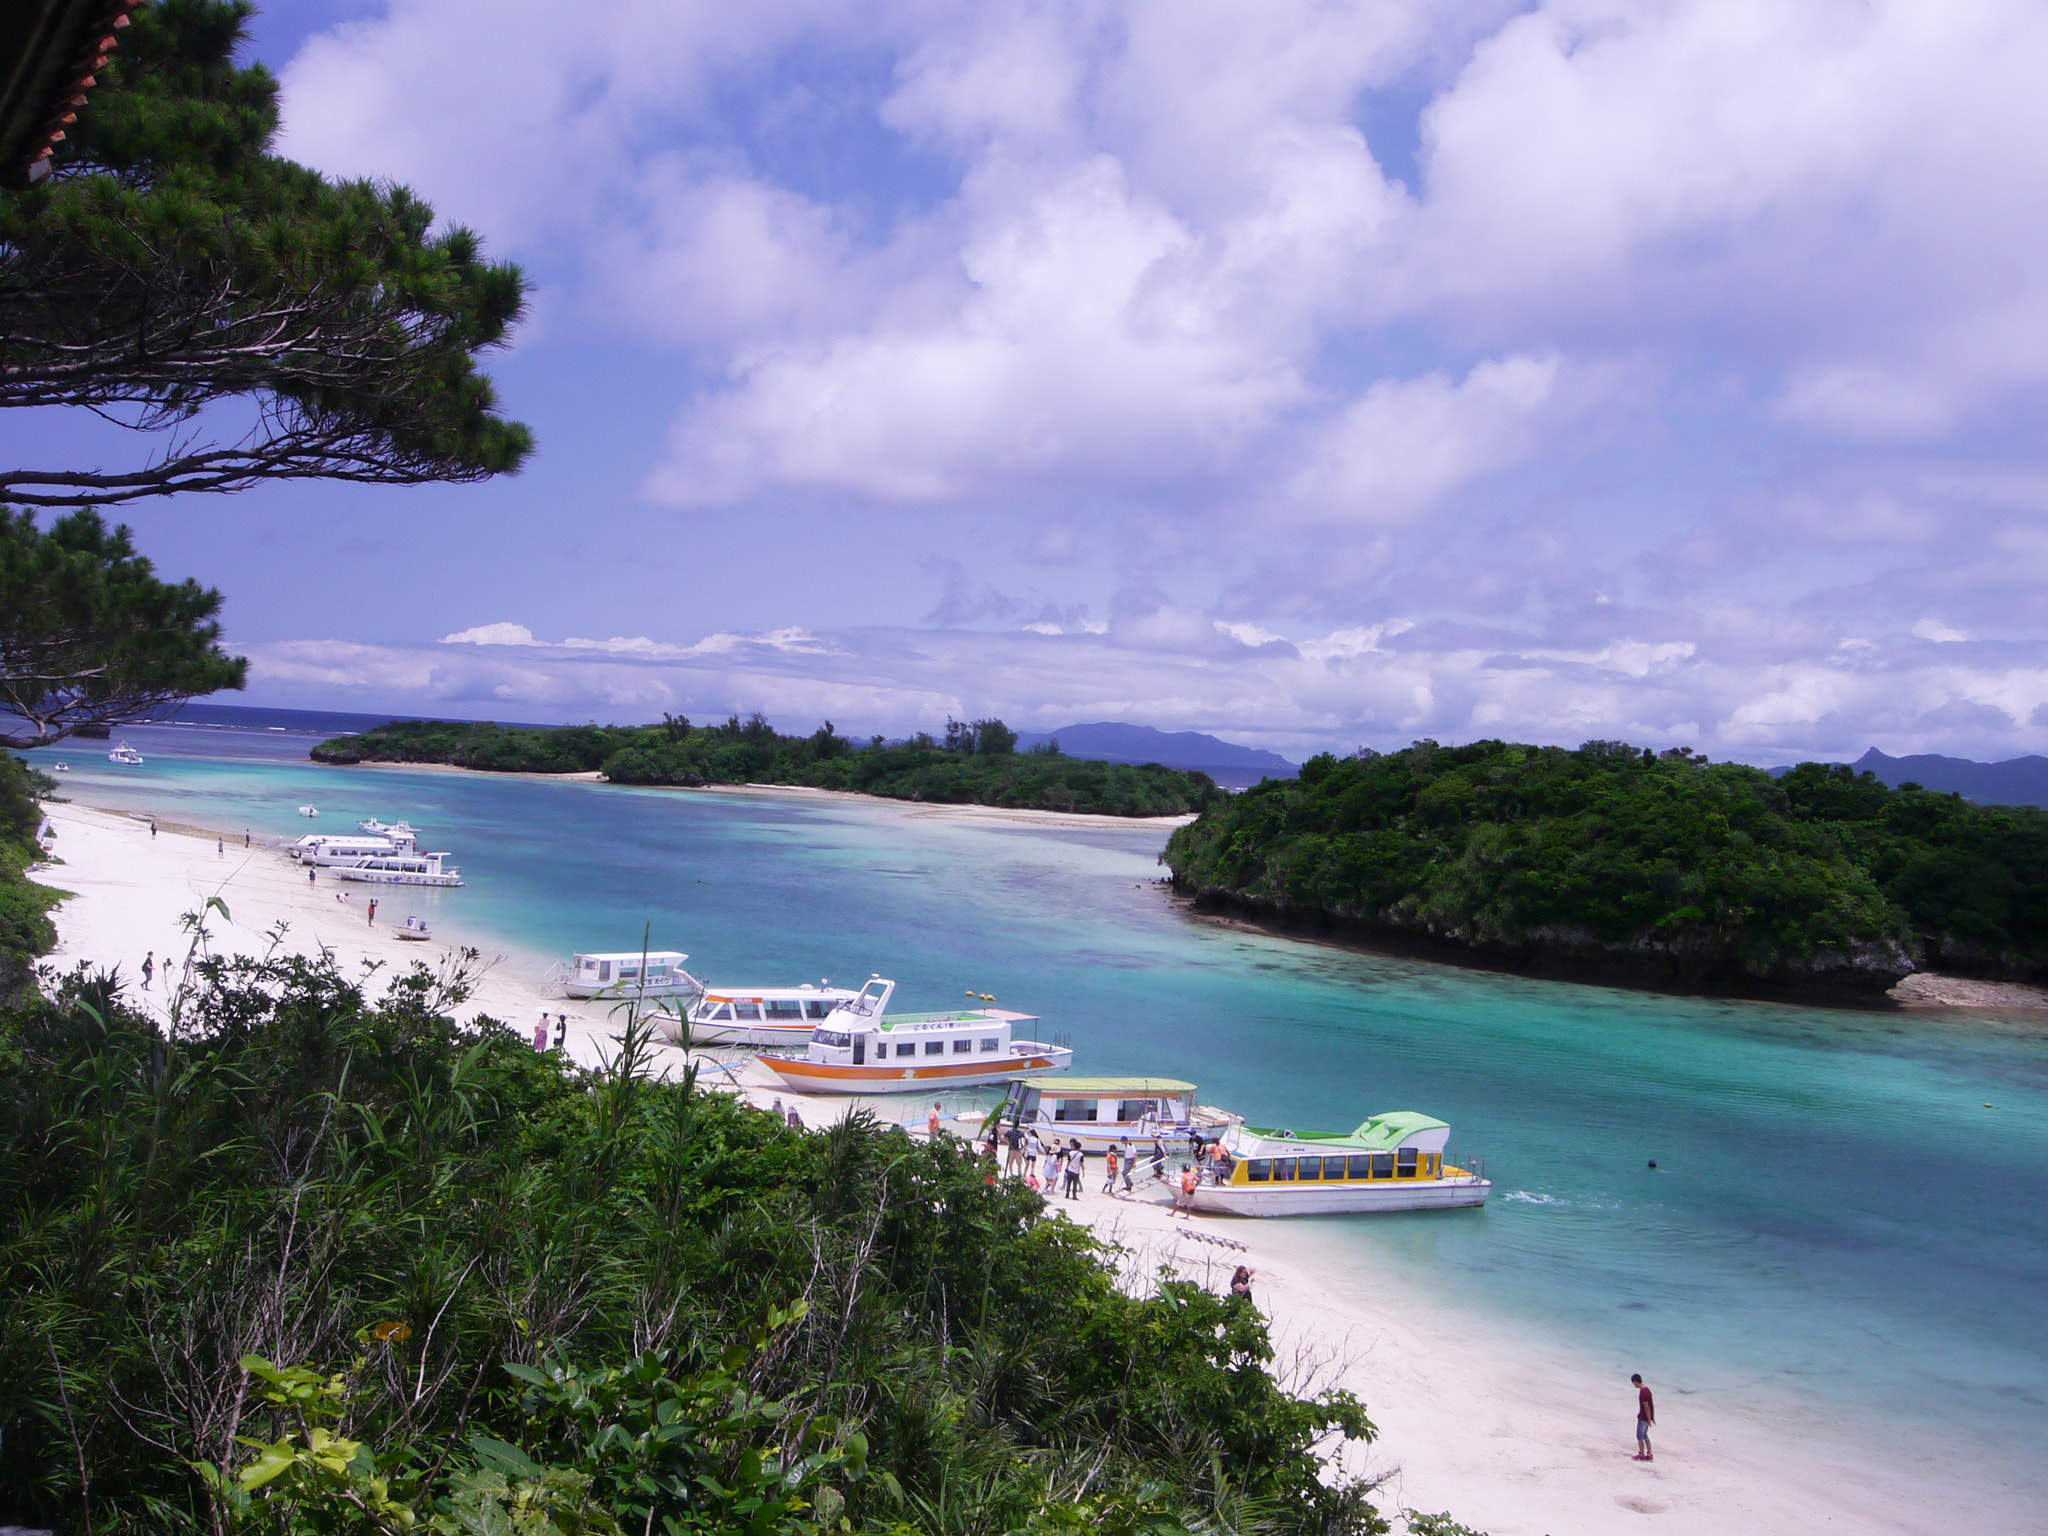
(1640, 1506)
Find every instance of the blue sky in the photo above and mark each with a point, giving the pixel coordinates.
(1314, 374)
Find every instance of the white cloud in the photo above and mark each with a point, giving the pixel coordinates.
(491, 634)
(1248, 634)
(1935, 630)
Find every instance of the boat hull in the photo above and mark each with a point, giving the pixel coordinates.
(1340, 1199)
(830, 1077)
(615, 991)
(390, 876)
(750, 1032)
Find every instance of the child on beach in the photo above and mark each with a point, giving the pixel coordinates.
(1646, 1419)
(1109, 1179)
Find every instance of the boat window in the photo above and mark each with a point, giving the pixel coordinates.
(1333, 1167)
(831, 1037)
(816, 1010)
(1406, 1157)
(1383, 1165)
(604, 970)
(963, 1047)
(1259, 1170)
(785, 1008)
(1358, 1166)
(1137, 1109)
(628, 972)
(747, 1010)
(992, 1045)
(908, 1048)
(1073, 1109)
(935, 1047)
(722, 1011)
(1309, 1168)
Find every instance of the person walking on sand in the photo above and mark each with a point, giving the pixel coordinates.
(1646, 1420)
(312, 875)
(372, 920)
(1130, 1166)
(1184, 1202)
(1045, 1166)
(1077, 1167)
(152, 829)
(1109, 1178)
(1158, 1160)
(220, 847)
(1013, 1159)
(540, 1032)
(931, 1124)
(148, 969)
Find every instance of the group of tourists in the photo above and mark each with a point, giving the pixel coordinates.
(1053, 1167)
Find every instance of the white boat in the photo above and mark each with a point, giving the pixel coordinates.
(309, 810)
(414, 928)
(616, 974)
(859, 1049)
(397, 869)
(1393, 1162)
(394, 829)
(125, 755)
(783, 1016)
(60, 767)
(1121, 1112)
(346, 848)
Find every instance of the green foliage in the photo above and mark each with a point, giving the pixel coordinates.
(307, 1263)
(979, 766)
(25, 928)
(172, 262)
(90, 636)
(1713, 872)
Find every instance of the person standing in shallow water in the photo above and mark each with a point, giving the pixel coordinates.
(1646, 1420)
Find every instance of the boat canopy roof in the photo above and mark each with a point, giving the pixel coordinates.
(1382, 1133)
(1106, 1087)
(632, 956)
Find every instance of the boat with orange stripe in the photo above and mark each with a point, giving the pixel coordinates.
(860, 1049)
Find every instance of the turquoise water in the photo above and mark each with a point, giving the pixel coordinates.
(1835, 1210)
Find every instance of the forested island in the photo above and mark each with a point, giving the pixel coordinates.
(1627, 864)
(975, 763)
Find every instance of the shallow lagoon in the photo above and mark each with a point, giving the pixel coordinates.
(1836, 1215)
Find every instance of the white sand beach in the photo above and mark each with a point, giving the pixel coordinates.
(1514, 1435)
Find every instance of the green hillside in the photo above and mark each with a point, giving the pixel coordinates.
(1620, 862)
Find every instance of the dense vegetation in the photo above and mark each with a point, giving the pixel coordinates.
(975, 764)
(296, 1262)
(25, 929)
(1664, 866)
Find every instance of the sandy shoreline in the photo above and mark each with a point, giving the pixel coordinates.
(1514, 1435)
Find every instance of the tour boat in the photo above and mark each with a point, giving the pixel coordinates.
(1105, 1112)
(782, 1016)
(390, 868)
(347, 847)
(393, 830)
(859, 1049)
(125, 755)
(414, 928)
(617, 975)
(1393, 1162)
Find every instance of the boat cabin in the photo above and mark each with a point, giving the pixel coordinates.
(664, 968)
(1113, 1108)
(1400, 1145)
(333, 848)
(788, 1006)
(958, 1038)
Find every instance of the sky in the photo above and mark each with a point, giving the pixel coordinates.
(1319, 375)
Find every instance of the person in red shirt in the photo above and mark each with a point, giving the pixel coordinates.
(1646, 1417)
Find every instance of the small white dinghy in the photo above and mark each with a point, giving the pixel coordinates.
(416, 929)
(309, 810)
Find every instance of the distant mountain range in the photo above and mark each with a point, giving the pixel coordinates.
(1108, 741)
(2018, 781)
